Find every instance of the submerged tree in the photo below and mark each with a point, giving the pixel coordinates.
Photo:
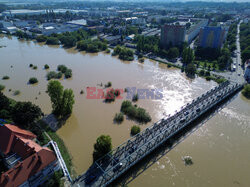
(62, 100)
(102, 146)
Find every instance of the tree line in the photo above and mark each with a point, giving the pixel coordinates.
(245, 42)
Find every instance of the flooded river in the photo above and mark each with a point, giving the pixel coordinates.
(220, 148)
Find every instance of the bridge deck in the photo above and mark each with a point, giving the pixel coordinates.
(119, 160)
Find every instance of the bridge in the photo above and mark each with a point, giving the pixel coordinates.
(60, 159)
(111, 166)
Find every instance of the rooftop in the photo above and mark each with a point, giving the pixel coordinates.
(29, 158)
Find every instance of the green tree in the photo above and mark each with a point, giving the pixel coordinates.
(245, 55)
(52, 41)
(67, 102)
(68, 41)
(41, 38)
(62, 100)
(55, 91)
(246, 91)
(26, 113)
(33, 80)
(102, 146)
(2, 87)
(4, 102)
(173, 53)
(135, 130)
(119, 117)
(188, 55)
(117, 50)
(190, 70)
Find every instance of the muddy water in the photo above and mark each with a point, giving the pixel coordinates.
(219, 148)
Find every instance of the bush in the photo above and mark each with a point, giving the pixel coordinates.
(220, 80)
(187, 160)
(6, 77)
(110, 96)
(209, 78)
(41, 38)
(126, 54)
(246, 91)
(135, 98)
(34, 67)
(107, 51)
(135, 130)
(133, 112)
(207, 73)
(54, 75)
(141, 60)
(190, 70)
(31, 65)
(117, 92)
(125, 105)
(2, 87)
(33, 80)
(119, 117)
(102, 146)
(17, 92)
(46, 66)
(51, 75)
(59, 75)
(52, 41)
(109, 84)
(62, 68)
(68, 41)
(68, 73)
(142, 115)
(202, 73)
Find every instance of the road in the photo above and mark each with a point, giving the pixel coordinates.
(238, 74)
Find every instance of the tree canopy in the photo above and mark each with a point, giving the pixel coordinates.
(25, 113)
(102, 146)
(62, 100)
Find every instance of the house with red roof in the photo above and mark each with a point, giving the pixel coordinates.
(28, 163)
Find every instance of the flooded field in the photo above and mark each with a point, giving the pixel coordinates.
(219, 148)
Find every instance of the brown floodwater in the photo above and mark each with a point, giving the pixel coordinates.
(219, 149)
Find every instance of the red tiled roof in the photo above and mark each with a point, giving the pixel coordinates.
(8, 133)
(35, 158)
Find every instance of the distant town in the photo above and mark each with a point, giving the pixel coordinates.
(202, 39)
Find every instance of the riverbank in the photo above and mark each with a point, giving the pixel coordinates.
(49, 135)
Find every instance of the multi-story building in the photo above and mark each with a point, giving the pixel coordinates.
(29, 164)
(172, 35)
(194, 30)
(247, 71)
(212, 36)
